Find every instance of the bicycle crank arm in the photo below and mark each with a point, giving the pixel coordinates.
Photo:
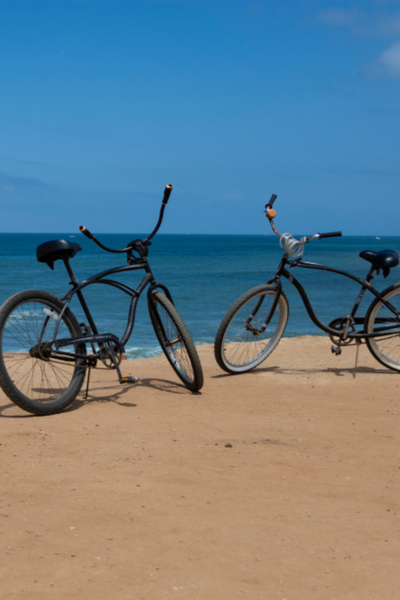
(121, 379)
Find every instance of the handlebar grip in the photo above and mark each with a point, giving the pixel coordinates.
(331, 234)
(271, 213)
(271, 201)
(86, 232)
(167, 193)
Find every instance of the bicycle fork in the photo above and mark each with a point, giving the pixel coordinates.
(269, 316)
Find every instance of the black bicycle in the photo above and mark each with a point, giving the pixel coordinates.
(44, 349)
(253, 326)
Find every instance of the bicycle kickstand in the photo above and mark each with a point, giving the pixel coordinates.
(358, 343)
(87, 382)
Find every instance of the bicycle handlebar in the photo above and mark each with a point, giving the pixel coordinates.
(330, 234)
(86, 232)
(289, 240)
(271, 201)
(146, 241)
(167, 193)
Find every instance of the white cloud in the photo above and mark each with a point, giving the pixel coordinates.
(390, 59)
(378, 25)
(389, 25)
(356, 20)
(382, 24)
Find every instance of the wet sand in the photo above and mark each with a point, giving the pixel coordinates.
(282, 483)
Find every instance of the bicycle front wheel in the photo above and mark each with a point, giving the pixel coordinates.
(175, 341)
(29, 375)
(243, 340)
(385, 347)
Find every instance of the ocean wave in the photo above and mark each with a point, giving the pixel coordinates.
(142, 352)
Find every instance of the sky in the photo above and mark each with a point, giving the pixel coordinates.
(104, 102)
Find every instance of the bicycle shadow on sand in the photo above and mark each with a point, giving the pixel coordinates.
(160, 385)
(337, 371)
(79, 402)
(115, 394)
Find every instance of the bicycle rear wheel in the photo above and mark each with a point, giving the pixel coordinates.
(240, 344)
(385, 348)
(175, 341)
(29, 376)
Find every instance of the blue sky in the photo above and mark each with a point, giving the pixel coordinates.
(103, 102)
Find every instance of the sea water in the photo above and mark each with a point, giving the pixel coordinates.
(205, 275)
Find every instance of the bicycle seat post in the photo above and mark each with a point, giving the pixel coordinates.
(370, 274)
(70, 272)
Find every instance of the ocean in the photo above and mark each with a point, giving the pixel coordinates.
(204, 273)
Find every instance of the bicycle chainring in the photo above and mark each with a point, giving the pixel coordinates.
(107, 350)
(340, 324)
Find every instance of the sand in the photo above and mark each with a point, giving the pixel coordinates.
(282, 483)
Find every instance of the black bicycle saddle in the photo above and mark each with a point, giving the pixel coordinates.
(383, 259)
(48, 252)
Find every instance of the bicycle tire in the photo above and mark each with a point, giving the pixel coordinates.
(385, 349)
(41, 386)
(238, 349)
(175, 341)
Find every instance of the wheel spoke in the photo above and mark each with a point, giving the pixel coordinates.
(243, 341)
(28, 377)
(176, 341)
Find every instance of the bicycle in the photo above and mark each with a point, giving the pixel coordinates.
(254, 324)
(44, 349)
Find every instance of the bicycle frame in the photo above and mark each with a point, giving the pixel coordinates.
(96, 337)
(365, 285)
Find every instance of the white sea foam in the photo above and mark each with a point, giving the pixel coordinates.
(140, 352)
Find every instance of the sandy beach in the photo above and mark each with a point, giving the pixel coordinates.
(282, 483)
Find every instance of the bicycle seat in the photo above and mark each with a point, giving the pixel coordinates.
(383, 259)
(48, 252)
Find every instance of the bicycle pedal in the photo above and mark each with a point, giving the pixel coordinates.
(130, 379)
(336, 350)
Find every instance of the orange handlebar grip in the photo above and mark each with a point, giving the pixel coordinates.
(271, 213)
